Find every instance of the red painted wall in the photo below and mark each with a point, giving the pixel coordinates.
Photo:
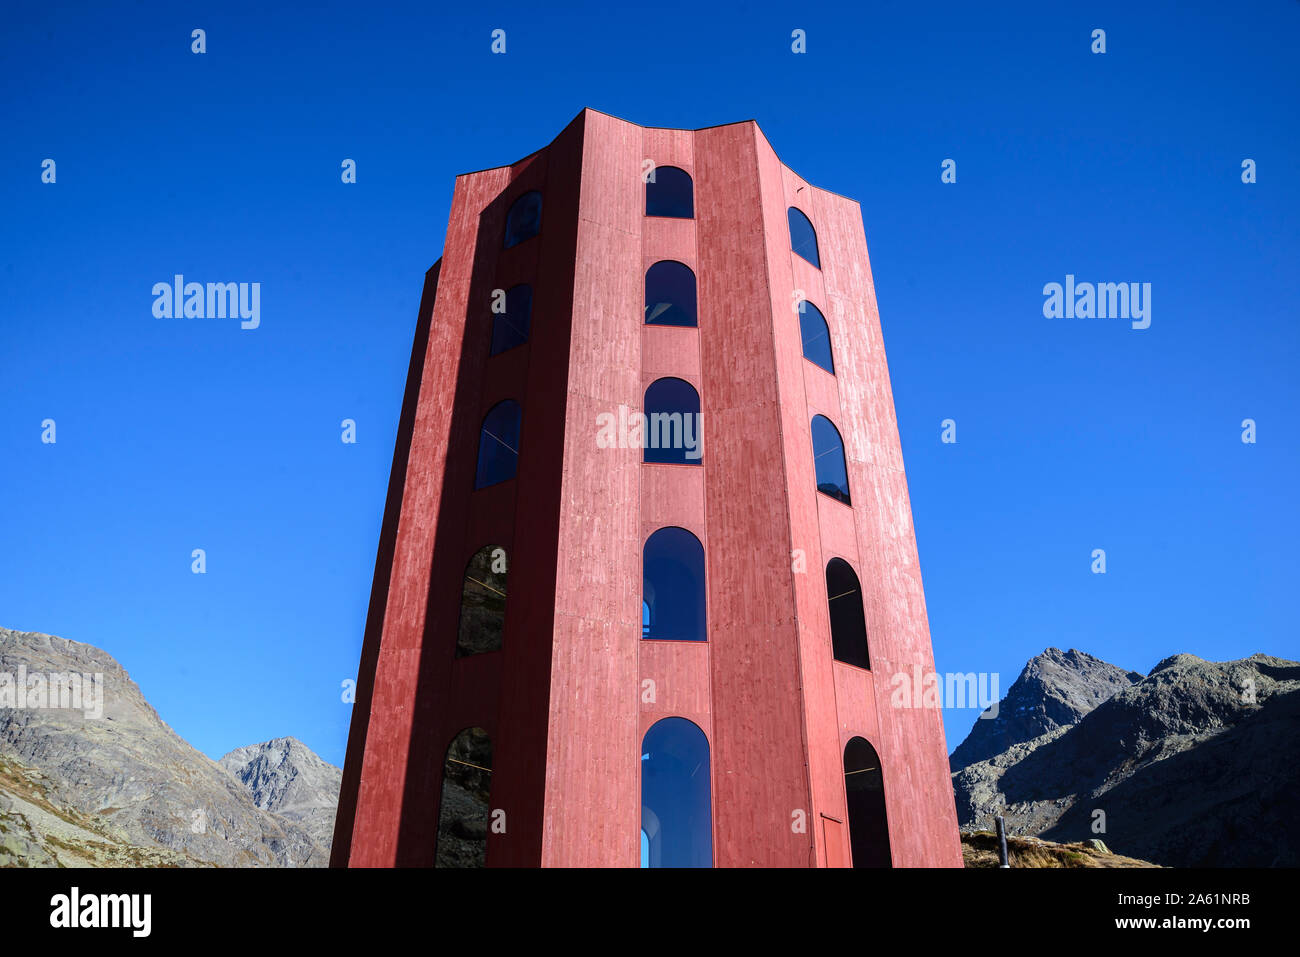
(569, 697)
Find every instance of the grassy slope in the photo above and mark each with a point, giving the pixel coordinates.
(980, 849)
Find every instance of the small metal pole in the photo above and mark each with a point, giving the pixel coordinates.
(1002, 841)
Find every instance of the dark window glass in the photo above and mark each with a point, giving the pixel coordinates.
(828, 460)
(670, 295)
(498, 444)
(483, 603)
(672, 423)
(466, 794)
(510, 328)
(676, 818)
(848, 621)
(670, 193)
(524, 221)
(864, 788)
(672, 586)
(803, 238)
(816, 336)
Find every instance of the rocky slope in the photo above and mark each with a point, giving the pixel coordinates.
(36, 832)
(1193, 765)
(78, 788)
(288, 778)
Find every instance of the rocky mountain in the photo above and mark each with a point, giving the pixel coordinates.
(288, 778)
(90, 774)
(1054, 691)
(1193, 765)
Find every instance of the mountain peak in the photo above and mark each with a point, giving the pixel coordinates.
(1055, 689)
(288, 778)
(1176, 661)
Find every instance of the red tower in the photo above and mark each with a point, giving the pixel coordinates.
(584, 651)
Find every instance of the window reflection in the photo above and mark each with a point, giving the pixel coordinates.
(670, 294)
(524, 221)
(676, 818)
(672, 596)
(498, 444)
(803, 238)
(670, 193)
(466, 796)
(816, 336)
(828, 460)
(865, 791)
(483, 603)
(848, 619)
(510, 328)
(672, 423)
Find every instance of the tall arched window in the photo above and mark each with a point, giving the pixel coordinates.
(463, 814)
(524, 221)
(864, 789)
(483, 603)
(803, 238)
(670, 294)
(676, 812)
(670, 193)
(816, 336)
(510, 328)
(828, 460)
(672, 586)
(848, 620)
(498, 444)
(672, 423)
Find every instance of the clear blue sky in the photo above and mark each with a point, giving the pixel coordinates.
(1072, 434)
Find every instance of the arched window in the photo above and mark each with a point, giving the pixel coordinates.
(498, 444)
(670, 295)
(803, 238)
(676, 813)
(864, 788)
(816, 336)
(524, 221)
(670, 193)
(848, 621)
(672, 423)
(463, 813)
(483, 603)
(510, 328)
(828, 460)
(672, 586)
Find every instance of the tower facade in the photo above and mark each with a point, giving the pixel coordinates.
(598, 639)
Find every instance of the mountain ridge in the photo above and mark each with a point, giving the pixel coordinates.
(1192, 765)
(99, 783)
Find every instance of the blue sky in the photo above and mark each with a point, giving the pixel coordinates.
(1072, 434)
